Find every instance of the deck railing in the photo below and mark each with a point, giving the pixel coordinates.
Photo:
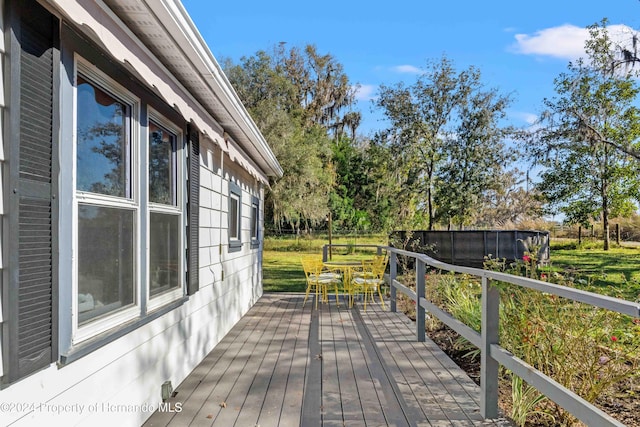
(492, 355)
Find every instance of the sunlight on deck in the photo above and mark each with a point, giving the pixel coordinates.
(285, 365)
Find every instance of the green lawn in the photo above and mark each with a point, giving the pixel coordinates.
(615, 272)
(282, 269)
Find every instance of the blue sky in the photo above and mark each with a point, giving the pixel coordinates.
(519, 47)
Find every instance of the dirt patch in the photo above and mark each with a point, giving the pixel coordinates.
(622, 403)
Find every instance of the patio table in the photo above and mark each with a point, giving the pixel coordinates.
(345, 268)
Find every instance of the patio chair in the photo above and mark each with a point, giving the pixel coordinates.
(339, 279)
(369, 281)
(382, 261)
(377, 260)
(318, 279)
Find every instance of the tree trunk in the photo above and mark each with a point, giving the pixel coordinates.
(430, 207)
(605, 225)
(605, 203)
(430, 196)
(579, 234)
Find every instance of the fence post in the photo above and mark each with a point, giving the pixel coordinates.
(420, 293)
(324, 253)
(393, 273)
(488, 366)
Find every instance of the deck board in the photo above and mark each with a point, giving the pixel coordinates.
(271, 411)
(288, 365)
(249, 391)
(449, 400)
(205, 402)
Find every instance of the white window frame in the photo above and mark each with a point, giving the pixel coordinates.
(110, 86)
(235, 193)
(178, 210)
(255, 221)
(137, 201)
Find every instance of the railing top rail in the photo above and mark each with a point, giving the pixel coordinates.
(347, 245)
(592, 298)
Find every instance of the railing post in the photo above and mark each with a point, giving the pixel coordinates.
(324, 253)
(420, 293)
(490, 335)
(393, 273)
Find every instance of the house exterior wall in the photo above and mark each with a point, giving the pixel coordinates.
(118, 381)
(217, 259)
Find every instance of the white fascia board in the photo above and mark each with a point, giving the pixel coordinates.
(190, 40)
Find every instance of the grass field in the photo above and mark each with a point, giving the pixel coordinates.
(615, 272)
(282, 269)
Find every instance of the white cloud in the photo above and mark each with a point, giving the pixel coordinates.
(407, 69)
(365, 92)
(565, 41)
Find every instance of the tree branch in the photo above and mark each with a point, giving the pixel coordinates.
(592, 131)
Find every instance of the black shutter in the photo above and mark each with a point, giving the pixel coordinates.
(32, 235)
(193, 209)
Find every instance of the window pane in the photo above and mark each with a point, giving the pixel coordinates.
(102, 147)
(164, 253)
(106, 260)
(254, 222)
(161, 165)
(233, 218)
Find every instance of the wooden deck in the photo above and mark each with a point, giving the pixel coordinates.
(285, 365)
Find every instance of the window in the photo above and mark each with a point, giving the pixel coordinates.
(255, 221)
(128, 198)
(106, 209)
(165, 233)
(162, 165)
(103, 144)
(106, 270)
(235, 216)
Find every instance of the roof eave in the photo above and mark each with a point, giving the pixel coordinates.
(179, 24)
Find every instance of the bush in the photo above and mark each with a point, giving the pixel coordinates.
(570, 342)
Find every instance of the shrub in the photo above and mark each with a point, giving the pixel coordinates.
(578, 345)
(525, 401)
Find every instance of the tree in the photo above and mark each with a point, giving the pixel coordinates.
(298, 99)
(322, 88)
(418, 117)
(301, 196)
(473, 156)
(510, 203)
(445, 138)
(349, 196)
(584, 127)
